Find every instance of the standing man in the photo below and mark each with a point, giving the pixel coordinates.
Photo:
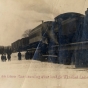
(9, 57)
(27, 55)
(2, 58)
(19, 56)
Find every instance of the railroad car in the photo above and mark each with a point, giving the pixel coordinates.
(68, 28)
(38, 40)
(24, 43)
(15, 46)
(36, 43)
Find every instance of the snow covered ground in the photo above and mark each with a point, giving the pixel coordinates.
(36, 74)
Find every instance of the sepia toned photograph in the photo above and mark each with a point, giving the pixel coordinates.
(44, 44)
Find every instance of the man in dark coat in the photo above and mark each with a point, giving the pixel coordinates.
(19, 56)
(9, 57)
(27, 55)
(2, 57)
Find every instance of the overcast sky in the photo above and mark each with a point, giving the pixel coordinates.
(16, 16)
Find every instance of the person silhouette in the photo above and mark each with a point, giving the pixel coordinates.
(27, 55)
(9, 57)
(2, 57)
(19, 56)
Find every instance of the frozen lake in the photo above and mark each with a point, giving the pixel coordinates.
(36, 74)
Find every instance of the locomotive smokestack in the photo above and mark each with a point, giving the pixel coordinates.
(42, 21)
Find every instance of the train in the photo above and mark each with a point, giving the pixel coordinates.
(35, 41)
(5, 50)
(63, 41)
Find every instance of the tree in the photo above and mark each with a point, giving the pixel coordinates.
(26, 33)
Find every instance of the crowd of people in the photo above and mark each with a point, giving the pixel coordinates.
(4, 57)
(7, 56)
(28, 55)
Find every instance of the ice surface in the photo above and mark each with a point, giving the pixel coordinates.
(36, 74)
